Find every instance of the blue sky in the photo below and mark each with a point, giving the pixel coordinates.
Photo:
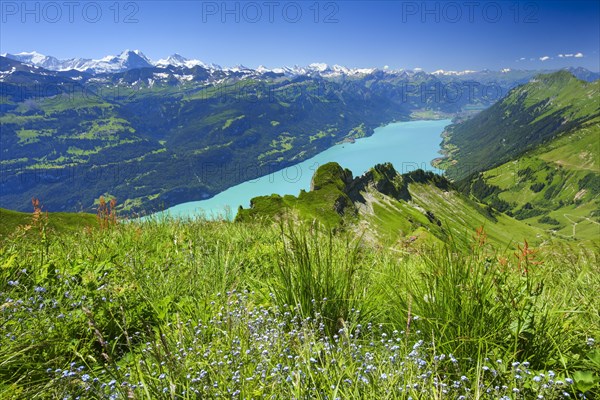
(450, 35)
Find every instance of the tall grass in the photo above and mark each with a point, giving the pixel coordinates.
(319, 274)
(196, 309)
(480, 303)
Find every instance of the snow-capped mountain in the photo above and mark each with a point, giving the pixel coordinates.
(318, 69)
(337, 70)
(177, 60)
(452, 73)
(128, 59)
(36, 59)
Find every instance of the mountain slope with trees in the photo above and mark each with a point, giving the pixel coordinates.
(530, 115)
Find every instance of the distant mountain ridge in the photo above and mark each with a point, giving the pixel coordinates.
(133, 59)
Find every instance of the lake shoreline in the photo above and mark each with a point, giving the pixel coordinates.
(409, 144)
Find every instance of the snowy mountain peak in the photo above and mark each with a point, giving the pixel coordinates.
(34, 58)
(33, 54)
(262, 69)
(128, 59)
(134, 54)
(177, 60)
(451, 73)
(320, 67)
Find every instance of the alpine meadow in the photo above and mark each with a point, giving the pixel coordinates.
(424, 220)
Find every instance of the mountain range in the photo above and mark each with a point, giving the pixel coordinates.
(134, 59)
(153, 136)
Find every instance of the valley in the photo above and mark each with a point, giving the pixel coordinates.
(409, 145)
(153, 136)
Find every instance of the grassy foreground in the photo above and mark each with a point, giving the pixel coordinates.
(171, 309)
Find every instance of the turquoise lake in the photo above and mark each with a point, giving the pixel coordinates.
(407, 145)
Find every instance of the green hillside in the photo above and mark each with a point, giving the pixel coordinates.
(166, 145)
(535, 156)
(530, 115)
(555, 187)
(57, 221)
(173, 309)
(404, 210)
